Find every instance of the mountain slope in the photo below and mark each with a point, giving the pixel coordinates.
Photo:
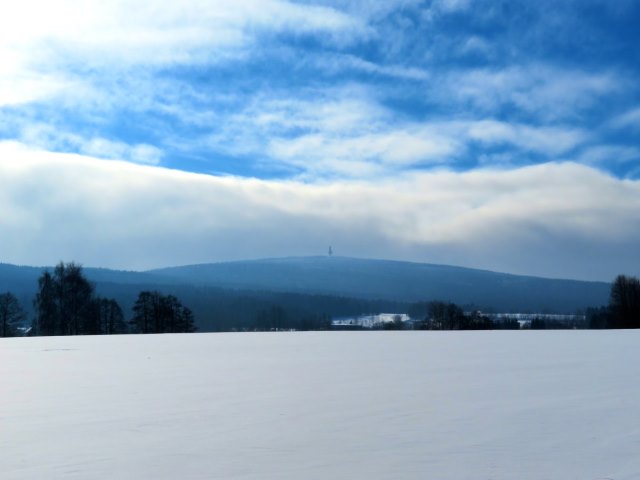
(123, 285)
(208, 286)
(215, 308)
(394, 280)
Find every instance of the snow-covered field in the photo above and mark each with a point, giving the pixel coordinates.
(346, 405)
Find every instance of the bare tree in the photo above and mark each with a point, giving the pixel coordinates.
(11, 314)
(157, 313)
(66, 305)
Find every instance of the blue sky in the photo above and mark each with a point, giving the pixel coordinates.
(500, 135)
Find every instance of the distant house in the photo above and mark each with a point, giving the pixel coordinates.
(367, 321)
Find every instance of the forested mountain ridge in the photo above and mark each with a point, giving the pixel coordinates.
(396, 280)
(234, 294)
(214, 308)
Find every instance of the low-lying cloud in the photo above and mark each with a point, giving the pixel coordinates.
(554, 219)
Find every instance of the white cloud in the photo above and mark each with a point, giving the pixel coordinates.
(540, 220)
(100, 60)
(138, 153)
(548, 92)
(51, 39)
(346, 111)
(391, 148)
(629, 119)
(162, 31)
(475, 45)
(341, 132)
(318, 133)
(451, 5)
(340, 62)
(47, 137)
(611, 154)
(438, 8)
(18, 87)
(347, 132)
(552, 141)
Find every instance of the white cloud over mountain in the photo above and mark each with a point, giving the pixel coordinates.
(553, 219)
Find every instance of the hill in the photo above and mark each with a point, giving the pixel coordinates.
(231, 295)
(215, 308)
(397, 281)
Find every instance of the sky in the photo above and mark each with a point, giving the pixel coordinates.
(500, 135)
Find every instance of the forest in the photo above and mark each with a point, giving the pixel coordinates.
(66, 303)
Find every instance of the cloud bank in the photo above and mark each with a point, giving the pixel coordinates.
(555, 219)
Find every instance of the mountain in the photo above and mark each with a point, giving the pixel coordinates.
(231, 295)
(395, 280)
(214, 308)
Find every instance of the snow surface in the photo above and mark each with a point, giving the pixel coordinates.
(342, 405)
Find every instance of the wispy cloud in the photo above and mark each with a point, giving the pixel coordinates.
(67, 43)
(338, 63)
(458, 109)
(163, 32)
(599, 154)
(100, 63)
(628, 120)
(450, 5)
(349, 132)
(46, 137)
(552, 141)
(544, 91)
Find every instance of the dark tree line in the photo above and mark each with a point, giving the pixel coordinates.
(550, 324)
(66, 304)
(439, 315)
(108, 318)
(157, 313)
(277, 317)
(623, 310)
(229, 310)
(11, 314)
